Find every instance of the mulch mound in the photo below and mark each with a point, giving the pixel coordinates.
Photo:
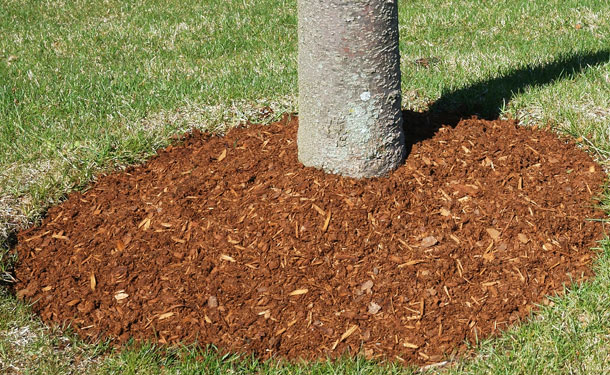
(228, 240)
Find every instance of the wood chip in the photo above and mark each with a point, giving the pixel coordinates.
(533, 150)
(447, 197)
(282, 330)
(327, 222)
(493, 233)
(178, 240)
(143, 222)
(366, 286)
(227, 258)
(347, 334)
(447, 292)
(428, 242)
(373, 308)
(455, 239)
(222, 155)
(298, 292)
(37, 237)
(411, 263)
(93, 281)
(521, 277)
(320, 211)
(165, 316)
(290, 324)
(403, 243)
(120, 295)
(523, 238)
(409, 345)
(445, 212)
(460, 268)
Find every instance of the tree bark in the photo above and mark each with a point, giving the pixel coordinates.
(350, 119)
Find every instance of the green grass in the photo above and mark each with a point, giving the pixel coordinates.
(90, 86)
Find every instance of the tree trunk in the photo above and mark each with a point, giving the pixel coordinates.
(350, 120)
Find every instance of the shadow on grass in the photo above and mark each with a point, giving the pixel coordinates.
(485, 99)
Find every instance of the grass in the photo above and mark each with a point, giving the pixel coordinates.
(91, 86)
(88, 86)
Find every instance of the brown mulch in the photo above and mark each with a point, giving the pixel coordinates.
(229, 240)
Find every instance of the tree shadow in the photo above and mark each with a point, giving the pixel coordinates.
(485, 99)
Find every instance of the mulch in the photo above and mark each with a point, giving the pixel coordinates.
(228, 240)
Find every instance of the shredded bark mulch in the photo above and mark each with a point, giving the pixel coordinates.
(228, 240)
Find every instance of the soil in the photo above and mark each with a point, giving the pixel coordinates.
(228, 240)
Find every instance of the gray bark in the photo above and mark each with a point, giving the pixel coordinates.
(350, 120)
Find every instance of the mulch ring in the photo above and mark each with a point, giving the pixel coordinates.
(228, 240)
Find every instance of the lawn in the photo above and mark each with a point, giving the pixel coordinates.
(92, 86)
